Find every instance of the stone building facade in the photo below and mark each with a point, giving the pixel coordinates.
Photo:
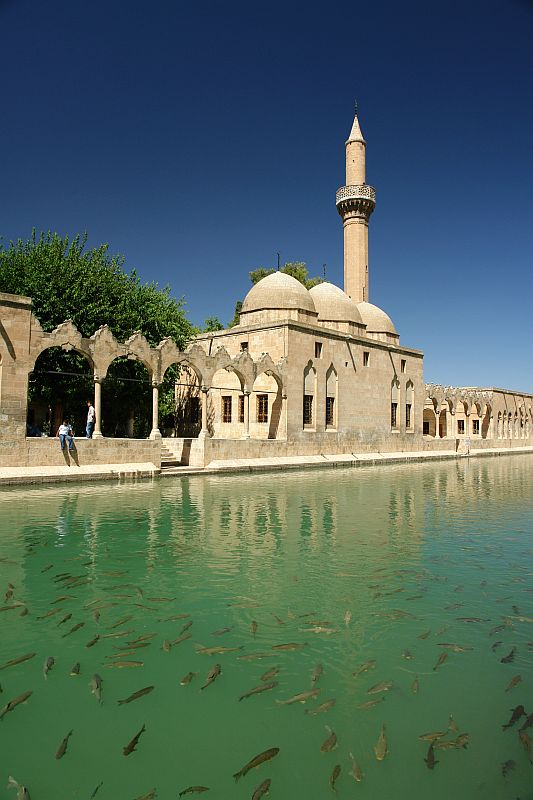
(305, 372)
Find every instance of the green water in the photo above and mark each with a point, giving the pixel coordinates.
(404, 550)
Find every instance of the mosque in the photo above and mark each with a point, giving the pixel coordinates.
(317, 372)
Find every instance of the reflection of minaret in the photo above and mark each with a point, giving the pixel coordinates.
(355, 203)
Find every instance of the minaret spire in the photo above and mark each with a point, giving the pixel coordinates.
(355, 203)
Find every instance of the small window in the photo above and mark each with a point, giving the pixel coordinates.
(244, 347)
(241, 408)
(366, 358)
(475, 426)
(308, 409)
(330, 412)
(425, 427)
(318, 350)
(226, 409)
(408, 415)
(394, 415)
(460, 426)
(403, 364)
(262, 408)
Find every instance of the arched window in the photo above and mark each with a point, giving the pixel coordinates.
(499, 424)
(409, 406)
(309, 397)
(331, 398)
(395, 404)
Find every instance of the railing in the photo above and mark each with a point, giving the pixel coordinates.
(361, 192)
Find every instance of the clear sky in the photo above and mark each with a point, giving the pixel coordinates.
(198, 139)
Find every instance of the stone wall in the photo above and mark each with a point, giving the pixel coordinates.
(46, 452)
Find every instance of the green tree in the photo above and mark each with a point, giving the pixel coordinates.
(297, 269)
(68, 280)
(212, 324)
(236, 314)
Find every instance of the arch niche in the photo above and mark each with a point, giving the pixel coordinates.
(180, 400)
(127, 398)
(266, 406)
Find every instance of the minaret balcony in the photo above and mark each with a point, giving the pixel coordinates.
(361, 192)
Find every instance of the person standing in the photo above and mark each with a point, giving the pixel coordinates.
(90, 420)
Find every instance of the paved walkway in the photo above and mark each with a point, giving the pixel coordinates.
(94, 472)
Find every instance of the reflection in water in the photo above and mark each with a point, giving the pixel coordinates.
(394, 565)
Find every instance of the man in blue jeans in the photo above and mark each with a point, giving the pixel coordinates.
(90, 420)
(65, 433)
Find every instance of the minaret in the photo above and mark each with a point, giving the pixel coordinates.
(355, 203)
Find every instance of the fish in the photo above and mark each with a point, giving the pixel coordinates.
(495, 646)
(472, 619)
(442, 658)
(269, 674)
(182, 638)
(263, 687)
(325, 706)
(455, 648)
(121, 622)
(212, 651)
(126, 664)
(278, 620)
(130, 747)
(497, 629)
(301, 697)
(424, 635)
(161, 599)
(48, 664)
(430, 758)
(526, 743)
(19, 660)
(221, 631)
(136, 695)
(14, 703)
(74, 629)
(515, 680)
(368, 665)
(50, 613)
(96, 684)
(262, 789)
(507, 766)
(509, 657)
(334, 775)
(517, 713)
(65, 619)
(381, 747)
(356, 772)
(93, 641)
(317, 673)
(407, 655)
(415, 685)
(193, 790)
(370, 703)
(146, 637)
(212, 675)
(384, 686)
(453, 607)
(330, 742)
(452, 724)
(63, 598)
(188, 678)
(347, 617)
(253, 627)
(256, 761)
(22, 791)
(433, 736)
(166, 646)
(96, 615)
(62, 749)
(290, 646)
(186, 626)
(528, 723)
(174, 617)
(94, 792)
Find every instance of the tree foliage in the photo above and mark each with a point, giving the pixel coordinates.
(297, 269)
(68, 280)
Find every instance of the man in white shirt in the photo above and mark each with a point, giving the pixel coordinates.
(90, 420)
(65, 433)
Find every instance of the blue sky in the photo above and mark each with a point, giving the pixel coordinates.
(200, 139)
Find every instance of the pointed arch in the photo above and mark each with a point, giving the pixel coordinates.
(332, 405)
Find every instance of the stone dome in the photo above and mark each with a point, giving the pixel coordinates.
(376, 320)
(333, 305)
(278, 291)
